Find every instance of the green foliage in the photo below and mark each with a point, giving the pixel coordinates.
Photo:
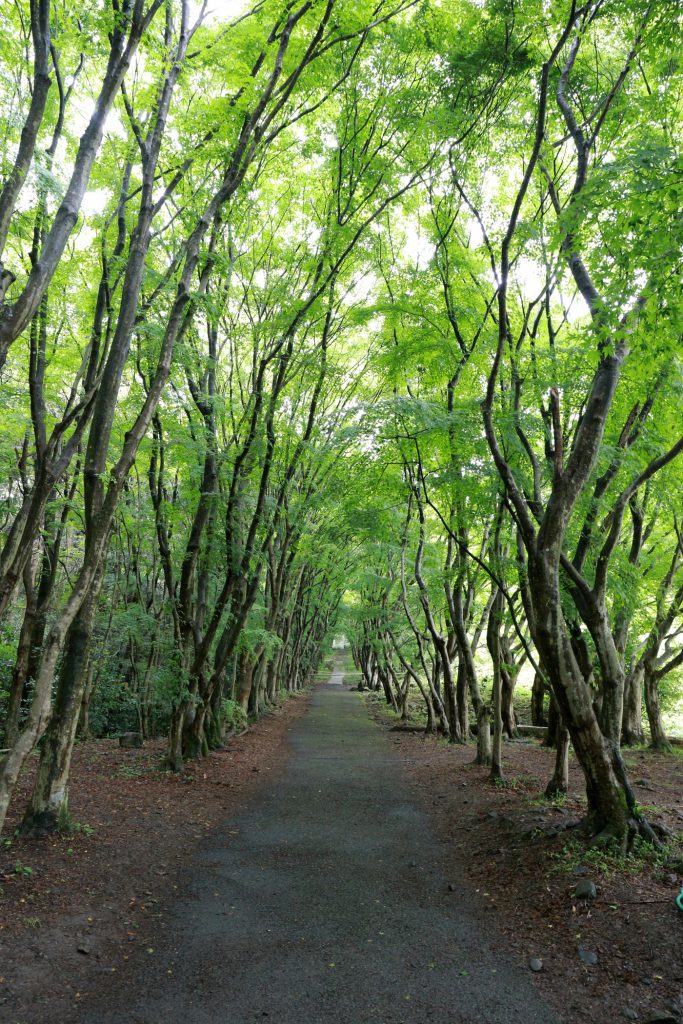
(234, 716)
(612, 860)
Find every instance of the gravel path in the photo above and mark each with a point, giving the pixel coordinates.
(325, 903)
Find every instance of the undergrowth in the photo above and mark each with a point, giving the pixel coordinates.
(612, 860)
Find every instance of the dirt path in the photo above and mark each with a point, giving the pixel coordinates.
(323, 902)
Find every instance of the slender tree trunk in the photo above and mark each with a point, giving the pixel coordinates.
(632, 724)
(245, 680)
(553, 725)
(493, 642)
(658, 737)
(461, 697)
(537, 700)
(20, 672)
(84, 729)
(483, 756)
(508, 715)
(174, 756)
(559, 783)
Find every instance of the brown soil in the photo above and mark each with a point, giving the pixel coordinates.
(74, 906)
(526, 863)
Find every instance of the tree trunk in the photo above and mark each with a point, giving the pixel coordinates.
(174, 756)
(389, 695)
(537, 700)
(658, 737)
(48, 809)
(559, 783)
(507, 703)
(493, 643)
(20, 674)
(461, 695)
(84, 720)
(193, 737)
(483, 736)
(632, 724)
(553, 726)
(245, 681)
(455, 732)
(600, 760)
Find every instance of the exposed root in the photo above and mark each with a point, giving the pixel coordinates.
(547, 832)
(626, 838)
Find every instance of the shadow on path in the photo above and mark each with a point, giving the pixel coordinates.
(324, 903)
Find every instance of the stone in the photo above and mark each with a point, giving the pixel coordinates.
(129, 740)
(535, 964)
(661, 1017)
(579, 870)
(629, 1014)
(451, 887)
(587, 956)
(585, 890)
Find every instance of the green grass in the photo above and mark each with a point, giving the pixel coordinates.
(611, 860)
(129, 771)
(557, 800)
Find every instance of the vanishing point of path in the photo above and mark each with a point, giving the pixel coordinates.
(325, 903)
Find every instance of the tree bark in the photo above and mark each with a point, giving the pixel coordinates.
(632, 722)
(537, 700)
(493, 643)
(658, 737)
(48, 808)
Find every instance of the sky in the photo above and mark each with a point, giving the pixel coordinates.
(219, 10)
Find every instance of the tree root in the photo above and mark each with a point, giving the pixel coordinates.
(550, 831)
(625, 839)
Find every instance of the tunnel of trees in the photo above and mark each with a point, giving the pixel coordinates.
(324, 316)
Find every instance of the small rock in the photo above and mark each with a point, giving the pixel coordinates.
(587, 956)
(629, 1014)
(451, 887)
(671, 879)
(585, 890)
(579, 870)
(661, 1017)
(535, 964)
(642, 782)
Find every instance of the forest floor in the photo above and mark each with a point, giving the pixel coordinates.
(525, 864)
